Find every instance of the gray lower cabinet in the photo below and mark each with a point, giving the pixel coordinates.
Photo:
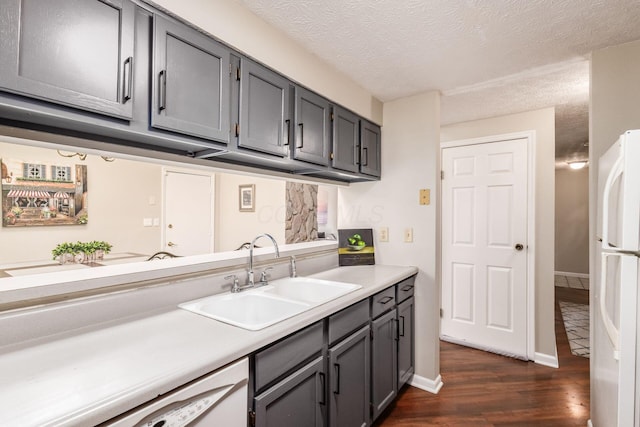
(349, 375)
(370, 145)
(384, 368)
(298, 400)
(265, 122)
(191, 82)
(346, 137)
(406, 341)
(312, 127)
(77, 53)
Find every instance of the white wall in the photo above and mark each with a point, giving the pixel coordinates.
(410, 148)
(543, 122)
(118, 200)
(572, 221)
(237, 26)
(234, 227)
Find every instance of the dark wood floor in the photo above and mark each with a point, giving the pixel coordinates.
(483, 389)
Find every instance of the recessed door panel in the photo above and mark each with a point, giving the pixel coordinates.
(499, 298)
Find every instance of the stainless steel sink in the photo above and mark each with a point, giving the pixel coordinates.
(258, 308)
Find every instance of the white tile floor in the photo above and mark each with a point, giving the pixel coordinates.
(571, 282)
(576, 323)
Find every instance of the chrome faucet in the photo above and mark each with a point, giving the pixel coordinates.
(292, 266)
(250, 279)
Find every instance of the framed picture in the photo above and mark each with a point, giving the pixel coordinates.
(356, 247)
(247, 198)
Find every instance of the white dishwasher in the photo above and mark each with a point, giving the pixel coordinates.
(218, 399)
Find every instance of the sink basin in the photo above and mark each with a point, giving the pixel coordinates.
(249, 310)
(312, 291)
(264, 306)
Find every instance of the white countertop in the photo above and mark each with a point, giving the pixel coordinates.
(90, 377)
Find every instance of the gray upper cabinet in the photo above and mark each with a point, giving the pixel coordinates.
(312, 127)
(265, 123)
(370, 149)
(77, 53)
(346, 135)
(191, 79)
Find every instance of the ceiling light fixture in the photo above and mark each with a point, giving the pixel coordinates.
(577, 164)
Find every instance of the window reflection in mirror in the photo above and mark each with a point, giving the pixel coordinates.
(140, 208)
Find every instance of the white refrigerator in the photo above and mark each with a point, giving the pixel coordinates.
(615, 389)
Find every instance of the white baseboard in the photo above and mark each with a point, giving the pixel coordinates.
(432, 386)
(547, 360)
(567, 273)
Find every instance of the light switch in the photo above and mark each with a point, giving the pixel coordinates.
(147, 222)
(383, 234)
(156, 222)
(425, 196)
(408, 235)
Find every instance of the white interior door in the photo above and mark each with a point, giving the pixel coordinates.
(188, 213)
(484, 246)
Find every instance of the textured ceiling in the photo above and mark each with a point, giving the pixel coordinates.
(488, 57)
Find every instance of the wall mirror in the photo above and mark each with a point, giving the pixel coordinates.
(53, 195)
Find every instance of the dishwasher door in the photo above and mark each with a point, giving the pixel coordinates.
(218, 399)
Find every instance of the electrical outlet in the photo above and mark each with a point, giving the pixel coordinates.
(383, 234)
(425, 196)
(408, 235)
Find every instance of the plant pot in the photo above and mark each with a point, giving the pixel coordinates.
(79, 257)
(66, 258)
(99, 255)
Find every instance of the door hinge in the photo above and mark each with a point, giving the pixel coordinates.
(441, 313)
(332, 116)
(371, 333)
(441, 174)
(237, 130)
(331, 155)
(252, 418)
(230, 69)
(238, 73)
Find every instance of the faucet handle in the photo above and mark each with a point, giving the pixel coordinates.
(236, 282)
(263, 275)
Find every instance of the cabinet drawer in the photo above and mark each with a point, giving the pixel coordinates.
(405, 289)
(383, 301)
(348, 320)
(284, 356)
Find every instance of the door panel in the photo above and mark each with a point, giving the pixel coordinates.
(345, 140)
(188, 209)
(73, 52)
(312, 127)
(484, 290)
(191, 82)
(264, 110)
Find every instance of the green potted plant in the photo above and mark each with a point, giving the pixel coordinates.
(101, 248)
(66, 252)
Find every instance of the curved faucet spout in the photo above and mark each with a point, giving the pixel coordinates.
(250, 280)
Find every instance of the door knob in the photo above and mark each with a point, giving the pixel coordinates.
(171, 244)
(170, 226)
(519, 247)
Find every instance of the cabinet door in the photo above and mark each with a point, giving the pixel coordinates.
(346, 133)
(349, 378)
(298, 400)
(265, 123)
(72, 52)
(312, 119)
(384, 365)
(190, 82)
(406, 341)
(369, 148)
